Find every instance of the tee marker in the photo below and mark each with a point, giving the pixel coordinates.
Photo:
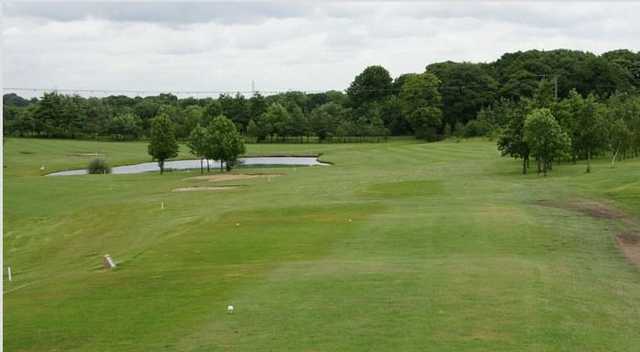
(108, 262)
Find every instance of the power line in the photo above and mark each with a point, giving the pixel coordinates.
(146, 92)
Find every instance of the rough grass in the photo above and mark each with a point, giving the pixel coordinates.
(397, 246)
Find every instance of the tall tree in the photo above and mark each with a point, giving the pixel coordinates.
(325, 119)
(125, 127)
(589, 128)
(545, 138)
(465, 89)
(276, 120)
(420, 101)
(224, 142)
(198, 144)
(163, 144)
(619, 138)
(511, 141)
(372, 85)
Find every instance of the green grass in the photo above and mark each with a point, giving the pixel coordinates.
(448, 249)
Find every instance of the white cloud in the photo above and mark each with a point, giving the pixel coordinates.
(223, 46)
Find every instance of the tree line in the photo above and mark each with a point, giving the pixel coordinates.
(220, 141)
(546, 129)
(447, 98)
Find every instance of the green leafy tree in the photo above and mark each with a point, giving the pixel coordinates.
(193, 115)
(49, 114)
(511, 141)
(421, 101)
(163, 144)
(458, 130)
(465, 88)
(298, 124)
(197, 144)
(620, 138)
(276, 120)
(237, 108)
(447, 131)
(224, 142)
(545, 138)
(627, 108)
(146, 109)
(586, 122)
(125, 127)
(372, 85)
(253, 130)
(257, 106)
(325, 119)
(425, 122)
(393, 117)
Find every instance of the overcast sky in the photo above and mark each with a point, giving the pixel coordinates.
(285, 45)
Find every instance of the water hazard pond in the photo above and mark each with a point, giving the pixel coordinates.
(195, 164)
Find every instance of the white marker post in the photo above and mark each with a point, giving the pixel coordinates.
(162, 205)
(108, 262)
(9, 272)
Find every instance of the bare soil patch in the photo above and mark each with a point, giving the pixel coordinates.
(231, 177)
(87, 154)
(587, 207)
(629, 243)
(204, 189)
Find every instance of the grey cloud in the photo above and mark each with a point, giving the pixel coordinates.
(158, 12)
(224, 46)
(537, 14)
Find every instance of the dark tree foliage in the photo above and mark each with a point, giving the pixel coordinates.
(13, 99)
(372, 85)
(163, 144)
(511, 142)
(465, 89)
(475, 100)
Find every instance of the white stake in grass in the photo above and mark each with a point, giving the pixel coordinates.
(162, 205)
(9, 272)
(108, 262)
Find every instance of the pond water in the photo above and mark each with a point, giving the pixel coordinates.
(195, 164)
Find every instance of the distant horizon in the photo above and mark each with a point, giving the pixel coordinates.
(170, 47)
(35, 92)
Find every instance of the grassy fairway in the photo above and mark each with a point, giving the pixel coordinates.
(448, 249)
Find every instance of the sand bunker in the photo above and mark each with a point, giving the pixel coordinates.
(204, 189)
(231, 177)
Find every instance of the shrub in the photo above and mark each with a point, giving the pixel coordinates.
(458, 129)
(447, 131)
(125, 127)
(98, 166)
(477, 128)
